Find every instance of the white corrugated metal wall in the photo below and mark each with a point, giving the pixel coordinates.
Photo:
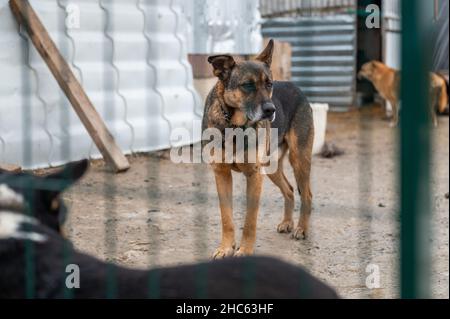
(131, 57)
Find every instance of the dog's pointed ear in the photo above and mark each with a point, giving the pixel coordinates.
(223, 65)
(70, 173)
(266, 55)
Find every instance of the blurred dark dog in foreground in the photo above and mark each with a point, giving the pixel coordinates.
(31, 216)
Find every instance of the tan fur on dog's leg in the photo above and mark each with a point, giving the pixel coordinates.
(395, 112)
(280, 180)
(302, 173)
(224, 183)
(254, 188)
(300, 159)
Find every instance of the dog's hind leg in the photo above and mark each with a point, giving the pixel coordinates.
(224, 182)
(395, 112)
(300, 158)
(280, 180)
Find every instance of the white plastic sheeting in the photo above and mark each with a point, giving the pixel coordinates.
(131, 58)
(392, 28)
(217, 26)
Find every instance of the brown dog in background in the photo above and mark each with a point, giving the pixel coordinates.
(387, 82)
(244, 97)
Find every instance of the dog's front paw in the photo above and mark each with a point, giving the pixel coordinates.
(242, 252)
(285, 226)
(223, 252)
(299, 233)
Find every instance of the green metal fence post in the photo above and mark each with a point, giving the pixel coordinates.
(415, 148)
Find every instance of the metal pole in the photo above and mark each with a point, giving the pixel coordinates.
(415, 148)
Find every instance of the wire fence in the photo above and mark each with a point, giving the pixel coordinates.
(412, 175)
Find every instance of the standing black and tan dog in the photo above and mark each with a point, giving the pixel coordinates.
(245, 96)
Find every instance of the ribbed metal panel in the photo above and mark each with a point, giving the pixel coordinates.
(131, 57)
(323, 55)
(293, 8)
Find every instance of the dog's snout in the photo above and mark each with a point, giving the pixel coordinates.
(268, 109)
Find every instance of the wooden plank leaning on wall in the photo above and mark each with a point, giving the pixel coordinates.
(26, 16)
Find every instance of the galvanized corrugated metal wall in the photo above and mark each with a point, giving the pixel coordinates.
(293, 8)
(323, 55)
(392, 32)
(132, 61)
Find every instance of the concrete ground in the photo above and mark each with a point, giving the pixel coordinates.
(160, 213)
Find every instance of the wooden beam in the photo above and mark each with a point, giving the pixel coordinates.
(26, 16)
(10, 168)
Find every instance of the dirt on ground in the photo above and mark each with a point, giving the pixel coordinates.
(160, 213)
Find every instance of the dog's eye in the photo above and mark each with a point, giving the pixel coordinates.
(269, 85)
(249, 86)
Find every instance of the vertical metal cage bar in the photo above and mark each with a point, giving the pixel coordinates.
(415, 149)
(27, 158)
(153, 189)
(64, 125)
(109, 182)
